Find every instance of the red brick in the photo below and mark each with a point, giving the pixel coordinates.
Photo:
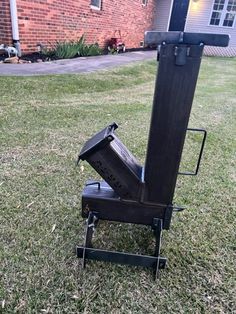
(50, 20)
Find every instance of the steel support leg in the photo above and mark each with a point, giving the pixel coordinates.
(157, 227)
(88, 252)
(90, 227)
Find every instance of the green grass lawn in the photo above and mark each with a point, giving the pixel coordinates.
(44, 123)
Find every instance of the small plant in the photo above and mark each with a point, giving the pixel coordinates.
(90, 50)
(64, 50)
(71, 49)
(48, 52)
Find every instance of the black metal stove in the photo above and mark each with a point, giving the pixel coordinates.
(143, 195)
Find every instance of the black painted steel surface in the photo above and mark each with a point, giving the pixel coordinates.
(144, 195)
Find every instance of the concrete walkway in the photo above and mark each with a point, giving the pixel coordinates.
(78, 65)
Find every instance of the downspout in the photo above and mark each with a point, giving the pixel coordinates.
(14, 26)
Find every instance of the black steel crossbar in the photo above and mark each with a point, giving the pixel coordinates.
(120, 257)
(153, 37)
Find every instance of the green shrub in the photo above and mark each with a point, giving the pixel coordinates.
(71, 49)
(48, 52)
(90, 50)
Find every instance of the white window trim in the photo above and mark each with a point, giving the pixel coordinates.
(95, 7)
(223, 15)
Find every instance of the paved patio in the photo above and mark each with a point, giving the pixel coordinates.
(78, 65)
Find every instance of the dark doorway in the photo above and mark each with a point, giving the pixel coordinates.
(178, 15)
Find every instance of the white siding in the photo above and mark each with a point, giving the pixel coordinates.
(198, 21)
(163, 13)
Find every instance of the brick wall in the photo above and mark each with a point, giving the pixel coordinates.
(43, 21)
(5, 22)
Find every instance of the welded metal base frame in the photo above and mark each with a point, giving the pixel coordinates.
(88, 252)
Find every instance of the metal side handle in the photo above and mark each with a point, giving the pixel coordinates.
(200, 153)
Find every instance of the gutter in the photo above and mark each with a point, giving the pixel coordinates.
(14, 26)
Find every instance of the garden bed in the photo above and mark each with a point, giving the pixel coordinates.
(37, 57)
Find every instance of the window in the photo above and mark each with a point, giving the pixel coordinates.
(223, 13)
(96, 4)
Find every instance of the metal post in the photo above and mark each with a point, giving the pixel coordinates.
(180, 57)
(15, 27)
(174, 91)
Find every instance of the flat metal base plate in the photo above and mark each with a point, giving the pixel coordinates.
(120, 257)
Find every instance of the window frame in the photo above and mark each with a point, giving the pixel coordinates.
(223, 15)
(94, 7)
